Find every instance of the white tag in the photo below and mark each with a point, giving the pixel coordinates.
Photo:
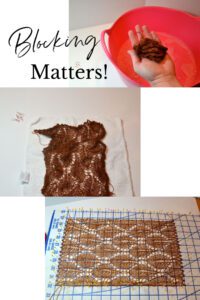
(24, 177)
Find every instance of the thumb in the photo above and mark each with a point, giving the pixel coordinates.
(134, 57)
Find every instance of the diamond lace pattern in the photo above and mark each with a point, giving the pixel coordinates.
(75, 161)
(120, 252)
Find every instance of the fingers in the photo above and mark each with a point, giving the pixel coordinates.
(133, 38)
(155, 36)
(134, 57)
(146, 32)
(142, 32)
(134, 41)
(139, 32)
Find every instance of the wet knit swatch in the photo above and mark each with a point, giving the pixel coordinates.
(75, 161)
(107, 252)
(151, 49)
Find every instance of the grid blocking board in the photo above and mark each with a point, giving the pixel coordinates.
(188, 232)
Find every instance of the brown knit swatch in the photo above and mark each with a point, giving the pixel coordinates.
(151, 49)
(109, 252)
(75, 161)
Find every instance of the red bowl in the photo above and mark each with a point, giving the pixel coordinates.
(179, 31)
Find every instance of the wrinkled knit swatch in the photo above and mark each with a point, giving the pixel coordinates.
(75, 160)
(151, 49)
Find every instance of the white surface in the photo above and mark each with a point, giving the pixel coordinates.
(177, 205)
(122, 103)
(22, 231)
(97, 60)
(170, 143)
(117, 165)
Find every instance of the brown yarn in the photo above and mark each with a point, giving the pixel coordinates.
(107, 252)
(75, 160)
(151, 49)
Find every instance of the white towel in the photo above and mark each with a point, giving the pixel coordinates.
(117, 165)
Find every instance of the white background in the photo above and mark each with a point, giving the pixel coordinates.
(170, 142)
(22, 248)
(47, 15)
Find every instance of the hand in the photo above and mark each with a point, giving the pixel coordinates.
(157, 74)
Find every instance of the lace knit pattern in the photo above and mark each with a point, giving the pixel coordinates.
(75, 160)
(119, 252)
